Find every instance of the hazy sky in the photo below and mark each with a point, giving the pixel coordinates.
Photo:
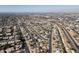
(39, 8)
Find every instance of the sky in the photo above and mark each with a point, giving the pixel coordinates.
(39, 8)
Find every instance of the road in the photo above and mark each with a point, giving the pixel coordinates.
(23, 33)
(68, 41)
